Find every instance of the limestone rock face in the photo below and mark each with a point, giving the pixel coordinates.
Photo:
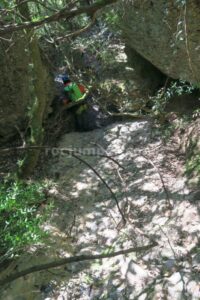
(166, 33)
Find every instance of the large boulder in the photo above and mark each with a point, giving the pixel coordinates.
(166, 33)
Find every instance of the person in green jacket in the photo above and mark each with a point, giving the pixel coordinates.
(74, 92)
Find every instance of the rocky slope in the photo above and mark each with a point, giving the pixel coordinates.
(153, 194)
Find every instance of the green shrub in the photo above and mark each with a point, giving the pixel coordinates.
(163, 96)
(19, 218)
(193, 165)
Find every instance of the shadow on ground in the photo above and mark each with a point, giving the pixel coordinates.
(155, 201)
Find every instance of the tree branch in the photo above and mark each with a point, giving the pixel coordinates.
(161, 179)
(76, 154)
(68, 260)
(105, 183)
(63, 13)
(77, 32)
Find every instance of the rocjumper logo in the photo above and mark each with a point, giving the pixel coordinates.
(70, 151)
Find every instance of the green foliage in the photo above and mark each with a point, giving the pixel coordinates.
(19, 218)
(111, 17)
(196, 113)
(162, 97)
(193, 165)
(7, 4)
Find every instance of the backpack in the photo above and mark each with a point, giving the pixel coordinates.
(74, 91)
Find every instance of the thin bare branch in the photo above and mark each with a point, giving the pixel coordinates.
(68, 260)
(105, 183)
(74, 154)
(77, 32)
(67, 151)
(161, 179)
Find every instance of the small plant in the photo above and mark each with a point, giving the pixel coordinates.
(193, 165)
(19, 218)
(196, 114)
(111, 17)
(162, 97)
(181, 3)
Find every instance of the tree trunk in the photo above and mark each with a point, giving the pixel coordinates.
(40, 100)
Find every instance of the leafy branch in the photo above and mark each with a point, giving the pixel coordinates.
(63, 13)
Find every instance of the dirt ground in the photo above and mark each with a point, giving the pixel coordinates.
(149, 183)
